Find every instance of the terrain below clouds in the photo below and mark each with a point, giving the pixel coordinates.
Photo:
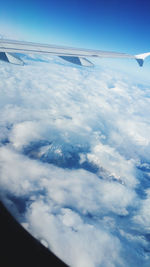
(74, 160)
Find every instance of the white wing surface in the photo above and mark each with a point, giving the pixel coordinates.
(74, 55)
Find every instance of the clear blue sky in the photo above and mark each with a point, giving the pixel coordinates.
(116, 25)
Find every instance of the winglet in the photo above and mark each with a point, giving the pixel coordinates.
(141, 57)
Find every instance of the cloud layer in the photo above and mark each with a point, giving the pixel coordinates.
(74, 157)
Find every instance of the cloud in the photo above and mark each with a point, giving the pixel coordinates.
(70, 236)
(79, 189)
(74, 157)
(107, 157)
(19, 174)
(142, 218)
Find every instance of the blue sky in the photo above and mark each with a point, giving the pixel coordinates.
(108, 25)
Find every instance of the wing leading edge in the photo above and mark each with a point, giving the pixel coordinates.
(73, 55)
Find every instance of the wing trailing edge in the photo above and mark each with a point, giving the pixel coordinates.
(74, 55)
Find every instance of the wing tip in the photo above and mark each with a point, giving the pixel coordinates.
(141, 57)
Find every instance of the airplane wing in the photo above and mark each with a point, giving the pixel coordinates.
(73, 55)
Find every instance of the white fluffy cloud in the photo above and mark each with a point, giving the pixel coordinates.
(143, 216)
(75, 241)
(75, 148)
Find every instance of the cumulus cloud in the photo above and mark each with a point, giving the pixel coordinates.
(143, 215)
(108, 158)
(70, 236)
(74, 157)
